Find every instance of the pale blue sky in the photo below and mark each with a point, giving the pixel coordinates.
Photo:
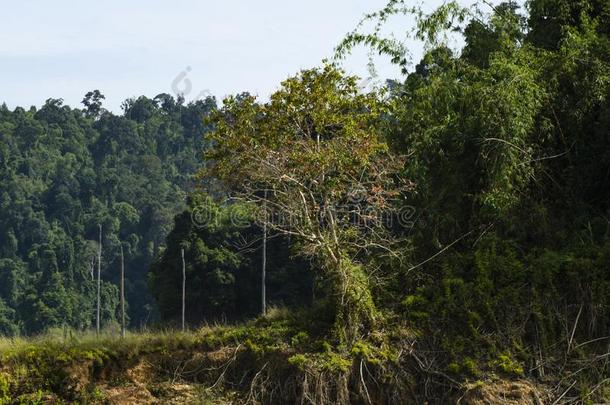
(63, 48)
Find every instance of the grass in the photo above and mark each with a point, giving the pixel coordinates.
(282, 355)
(56, 340)
(77, 366)
(43, 363)
(274, 359)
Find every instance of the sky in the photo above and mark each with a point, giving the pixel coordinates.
(63, 49)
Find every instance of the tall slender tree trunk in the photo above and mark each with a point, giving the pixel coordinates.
(264, 267)
(313, 284)
(122, 293)
(183, 290)
(99, 283)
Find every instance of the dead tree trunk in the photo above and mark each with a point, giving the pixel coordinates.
(122, 293)
(183, 289)
(99, 283)
(264, 269)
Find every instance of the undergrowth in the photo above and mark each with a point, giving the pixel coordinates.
(281, 358)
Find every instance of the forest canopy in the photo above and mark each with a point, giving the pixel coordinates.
(67, 170)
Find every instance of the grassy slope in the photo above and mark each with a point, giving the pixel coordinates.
(270, 360)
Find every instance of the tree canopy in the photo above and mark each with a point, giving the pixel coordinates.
(64, 171)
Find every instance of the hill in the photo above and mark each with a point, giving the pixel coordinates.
(65, 171)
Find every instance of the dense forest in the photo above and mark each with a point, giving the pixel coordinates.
(502, 173)
(65, 171)
(455, 222)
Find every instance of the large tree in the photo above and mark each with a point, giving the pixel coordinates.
(314, 162)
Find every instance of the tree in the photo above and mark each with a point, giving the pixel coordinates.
(507, 141)
(99, 283)
(122, 293)
(264, 270)
(549, 20)
(222, 258)
(183, 289)
(210, 264)
(93, 103)
(315, 164)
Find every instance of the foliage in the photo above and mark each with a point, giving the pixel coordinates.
(222, 252)
(64, 171)
(507, 139)
(314, 162)
(496, 153)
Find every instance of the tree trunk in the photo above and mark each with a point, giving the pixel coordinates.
(99, 283)
(122, 293)
(264, 269)
(183, 290)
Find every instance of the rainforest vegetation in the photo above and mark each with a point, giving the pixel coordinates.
(64, 172)
(443, 237)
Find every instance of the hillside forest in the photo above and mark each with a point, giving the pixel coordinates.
(460, 213)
